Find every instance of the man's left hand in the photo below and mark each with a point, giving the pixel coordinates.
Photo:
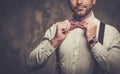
(90, 30)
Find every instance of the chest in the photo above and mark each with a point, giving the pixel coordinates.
(75, 44)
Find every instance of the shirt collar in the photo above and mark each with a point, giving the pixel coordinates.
(93, 19)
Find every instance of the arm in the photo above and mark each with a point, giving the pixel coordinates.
(53, 37)
(108, 58)
(39, 56)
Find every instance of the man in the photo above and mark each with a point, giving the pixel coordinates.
(77, 45)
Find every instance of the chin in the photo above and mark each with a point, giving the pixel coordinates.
(81, 14)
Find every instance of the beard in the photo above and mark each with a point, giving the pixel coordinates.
(81, 11)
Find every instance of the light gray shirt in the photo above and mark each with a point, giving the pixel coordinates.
(73, 54)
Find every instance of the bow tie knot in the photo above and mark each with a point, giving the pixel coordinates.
(76, 25)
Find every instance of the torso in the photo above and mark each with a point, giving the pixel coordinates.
(74, 54)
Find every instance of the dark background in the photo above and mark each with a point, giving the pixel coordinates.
(23, 23)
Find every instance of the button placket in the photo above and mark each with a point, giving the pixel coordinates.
(75, 54)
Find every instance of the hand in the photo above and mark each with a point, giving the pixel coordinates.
(61, 32)
(91, 29)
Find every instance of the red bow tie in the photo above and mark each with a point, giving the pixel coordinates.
(76, 25)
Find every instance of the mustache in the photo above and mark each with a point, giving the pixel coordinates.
(80, 6)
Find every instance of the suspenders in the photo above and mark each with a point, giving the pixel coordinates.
(98, 70)
(101, 32)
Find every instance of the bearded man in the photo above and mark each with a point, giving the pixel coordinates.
(83, 44)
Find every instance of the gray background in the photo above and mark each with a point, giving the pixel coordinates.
(23, 23)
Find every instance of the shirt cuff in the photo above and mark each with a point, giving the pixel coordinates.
(49, 46)
(99, 48)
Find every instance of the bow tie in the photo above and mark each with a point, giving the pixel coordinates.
(76, 25)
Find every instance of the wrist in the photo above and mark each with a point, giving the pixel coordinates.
(92, 42)
(55, 42)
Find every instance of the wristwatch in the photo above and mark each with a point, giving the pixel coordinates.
(92, 41)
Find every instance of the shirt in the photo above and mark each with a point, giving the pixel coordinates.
(73, 54)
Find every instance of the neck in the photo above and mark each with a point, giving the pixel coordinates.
(82, 18)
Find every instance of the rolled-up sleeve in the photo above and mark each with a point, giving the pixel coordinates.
(109, 58)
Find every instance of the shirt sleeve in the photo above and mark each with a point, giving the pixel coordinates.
(39, 56)
(109, 58)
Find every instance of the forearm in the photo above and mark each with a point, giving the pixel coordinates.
(101, 55)
(107, 58)
(40, 54)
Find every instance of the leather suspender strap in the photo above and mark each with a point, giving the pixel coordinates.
(97, 69)
(101, 32)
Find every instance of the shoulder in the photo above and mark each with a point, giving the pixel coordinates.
(111, 29)
(110, 34)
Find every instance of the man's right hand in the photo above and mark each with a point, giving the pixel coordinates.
(61, 32)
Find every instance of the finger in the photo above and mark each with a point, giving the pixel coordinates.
(67, 25)
(85, 24)
(63, 29)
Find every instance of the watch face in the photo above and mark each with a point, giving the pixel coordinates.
(94, 40)
(91, 42)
